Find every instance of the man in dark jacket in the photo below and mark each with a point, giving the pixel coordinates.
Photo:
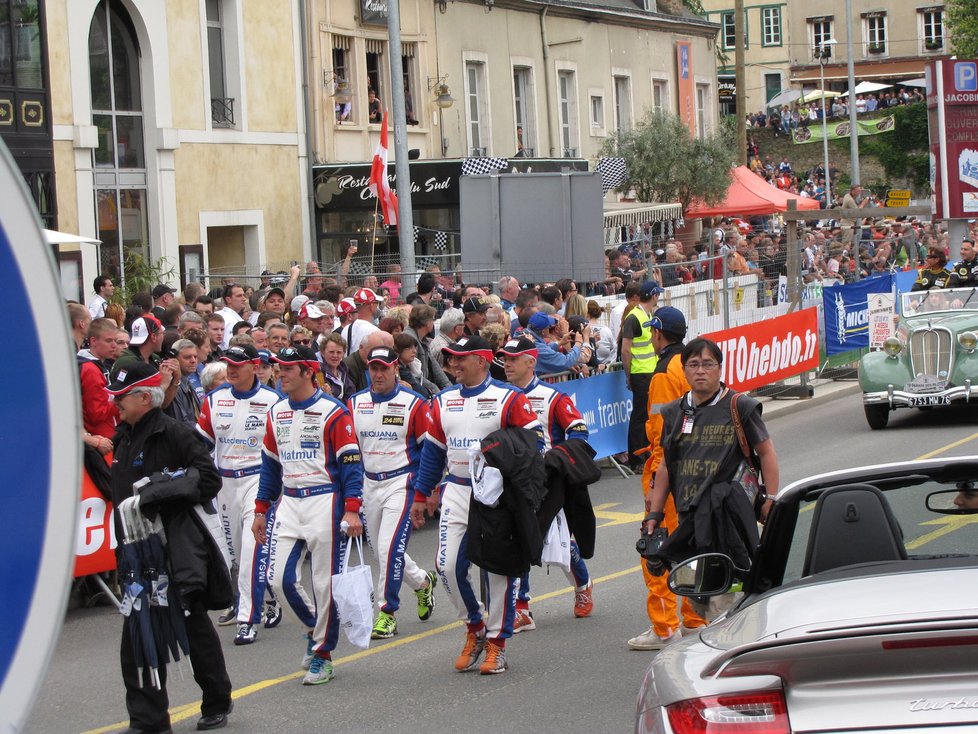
(146, 442)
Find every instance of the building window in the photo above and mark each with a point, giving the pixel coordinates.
(660, 95)
(525, 109)
(623, 103)
(821, 31)
(377, 72)
(932, 29)
(728, 30)
(771, 26)
(597, 112)
(476, 108)
(222, 104)
(567, 105)
(702, 95)
(409, 75)
(772, 86)
(874, 27)
(120, 166)
(20, 44)
(343, 81)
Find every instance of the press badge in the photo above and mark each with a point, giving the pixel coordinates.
(687, 424)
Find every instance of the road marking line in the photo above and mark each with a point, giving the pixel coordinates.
(948, 525)
(186, 711)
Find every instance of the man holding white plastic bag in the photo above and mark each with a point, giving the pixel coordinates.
(391, 423)
(311, 459)
(561, 420)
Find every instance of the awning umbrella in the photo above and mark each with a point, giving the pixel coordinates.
(818, 94)
(913, 83)
(868, 87)
(785, 96)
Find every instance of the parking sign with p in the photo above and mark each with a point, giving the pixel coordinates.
(966, 76)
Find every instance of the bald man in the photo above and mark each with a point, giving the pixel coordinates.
(356, 363)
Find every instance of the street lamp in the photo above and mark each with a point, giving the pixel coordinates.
(822, 53)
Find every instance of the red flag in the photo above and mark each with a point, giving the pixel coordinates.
(379, 184)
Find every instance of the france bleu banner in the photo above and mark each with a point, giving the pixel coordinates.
(605, 404)
(846, 310)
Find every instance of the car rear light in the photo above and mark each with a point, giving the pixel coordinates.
(743, 713)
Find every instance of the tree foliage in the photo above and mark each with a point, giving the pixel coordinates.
(961, 19)
(665, 163)
(903, 152)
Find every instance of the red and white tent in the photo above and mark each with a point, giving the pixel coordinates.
(749, 195)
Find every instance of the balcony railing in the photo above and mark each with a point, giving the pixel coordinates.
(222, 112)
(570, 152)
(477, 152)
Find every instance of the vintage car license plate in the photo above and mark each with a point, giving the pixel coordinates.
(926, 384)
(919, 400)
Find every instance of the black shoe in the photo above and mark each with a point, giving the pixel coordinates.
(215, 721)
(130, 730)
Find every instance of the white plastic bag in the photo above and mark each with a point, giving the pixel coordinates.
(487, 481)
(353, 594)
(556, 546)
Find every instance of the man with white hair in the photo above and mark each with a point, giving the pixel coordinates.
(449, 331)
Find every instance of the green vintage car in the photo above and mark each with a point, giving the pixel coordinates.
(931, 361)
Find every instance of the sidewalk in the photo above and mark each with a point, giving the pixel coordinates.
(825, 389)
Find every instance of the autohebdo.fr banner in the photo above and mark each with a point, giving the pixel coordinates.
(766, 351)
(96, 541)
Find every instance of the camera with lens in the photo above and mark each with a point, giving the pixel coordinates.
(649, 545)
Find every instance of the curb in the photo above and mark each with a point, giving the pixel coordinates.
(830, 390)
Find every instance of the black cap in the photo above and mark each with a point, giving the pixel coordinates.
(297, 355)
(479, 304)
(141, 374)
(470, 345)
(241, 354)
(275, 290)
(161, 290)
(382, 355)
(519, 346)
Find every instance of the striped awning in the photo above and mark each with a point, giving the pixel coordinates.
(623, 214)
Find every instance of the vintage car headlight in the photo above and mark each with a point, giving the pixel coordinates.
(892, 346)
(968, 341)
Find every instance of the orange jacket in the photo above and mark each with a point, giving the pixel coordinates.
(668, 384)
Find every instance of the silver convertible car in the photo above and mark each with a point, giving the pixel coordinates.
(859, 614)
(931, 361)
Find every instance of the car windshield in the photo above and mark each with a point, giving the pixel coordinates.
(951, 299)
(926, 533)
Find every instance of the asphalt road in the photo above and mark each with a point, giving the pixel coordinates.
(568, 675)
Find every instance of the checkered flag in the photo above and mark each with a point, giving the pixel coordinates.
(613, 172)
(359, 268)
(441, 241)
(423, 263)
(476, 166)
(417, 236)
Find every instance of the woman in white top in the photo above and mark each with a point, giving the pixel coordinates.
(601, 335)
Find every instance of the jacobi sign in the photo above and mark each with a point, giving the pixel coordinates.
(767, 351)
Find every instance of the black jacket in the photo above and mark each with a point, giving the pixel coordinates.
(506, 539)
(570, 468)
(155, 443)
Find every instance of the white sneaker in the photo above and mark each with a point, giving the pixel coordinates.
(685, 631)
(649, 640)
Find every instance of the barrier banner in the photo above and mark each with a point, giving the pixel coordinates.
(95, 540)
(605, 404)
(766, 351)
(838, 130)
(846, 310)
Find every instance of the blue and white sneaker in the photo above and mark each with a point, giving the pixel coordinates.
(310, 653)
(320, 671)
(247, 633)
(272, 614)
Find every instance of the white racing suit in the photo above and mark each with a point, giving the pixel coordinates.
(561, 420)
(233, 425)
(461, 417)
(311, 459)
(390, 430)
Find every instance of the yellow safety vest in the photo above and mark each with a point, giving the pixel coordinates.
(644, 358)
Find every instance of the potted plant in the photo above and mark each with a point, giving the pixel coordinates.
(934, 44)
(876, 48)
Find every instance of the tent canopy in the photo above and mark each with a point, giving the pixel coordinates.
(867, 87)
(750, 195)
(818, 94)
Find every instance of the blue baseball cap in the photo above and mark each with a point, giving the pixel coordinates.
(650, 288)
(540, 321)
(669, 320)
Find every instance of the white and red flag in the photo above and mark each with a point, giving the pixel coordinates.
(379, 184)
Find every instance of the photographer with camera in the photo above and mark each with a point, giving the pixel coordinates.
(713, 443)
(668, 326)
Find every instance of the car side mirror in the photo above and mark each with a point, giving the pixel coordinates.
(710, 574)
(961, 501)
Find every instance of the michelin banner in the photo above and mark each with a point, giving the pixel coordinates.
(846, 309)
(605, 404)
(841, 129)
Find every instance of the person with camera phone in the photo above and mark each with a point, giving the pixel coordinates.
(716, 451)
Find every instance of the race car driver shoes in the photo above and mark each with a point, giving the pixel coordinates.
(475, 642)
(385, 627)
(320, 671)
(426, 597)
